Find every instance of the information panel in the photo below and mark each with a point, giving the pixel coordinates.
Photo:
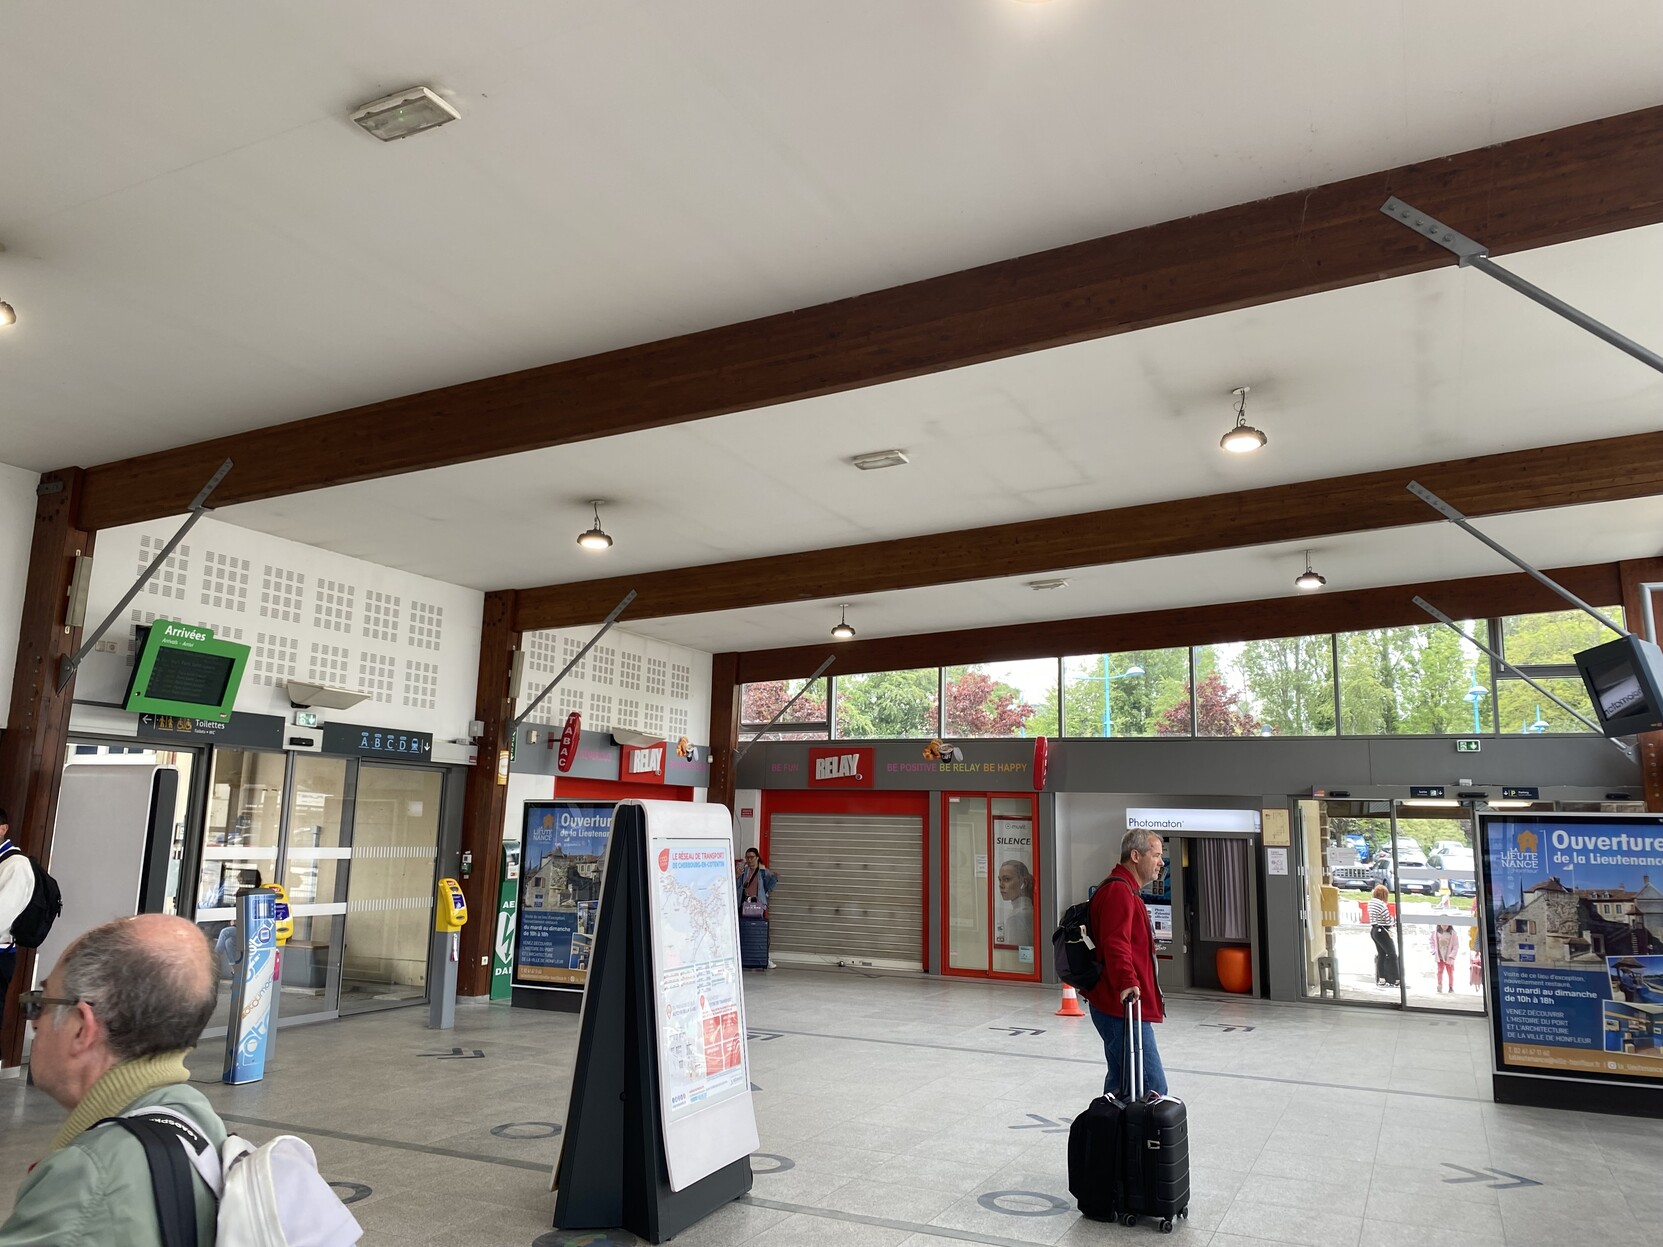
(564, 847)
(1575, 941)
(696, 981)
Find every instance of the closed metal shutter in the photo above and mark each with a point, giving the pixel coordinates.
(851, 887)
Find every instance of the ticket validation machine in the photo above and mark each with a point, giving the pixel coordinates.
(450, 915)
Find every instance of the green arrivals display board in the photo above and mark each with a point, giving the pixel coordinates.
(185, 670)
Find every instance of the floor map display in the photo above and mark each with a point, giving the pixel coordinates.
(701, 1050)
(1576, 941)
(560, 888)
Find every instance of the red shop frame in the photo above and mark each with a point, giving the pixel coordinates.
(1033, 816)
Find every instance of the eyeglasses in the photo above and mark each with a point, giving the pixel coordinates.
(33, 1004)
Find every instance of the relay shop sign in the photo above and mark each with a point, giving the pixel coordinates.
(1574, 930)
(642, 764)
(840, 768)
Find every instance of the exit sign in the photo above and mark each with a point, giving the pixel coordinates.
(1468, 746)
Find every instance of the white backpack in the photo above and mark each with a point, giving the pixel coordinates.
(269, 1196)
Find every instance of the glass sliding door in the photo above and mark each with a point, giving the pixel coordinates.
(315, 861)
(389, 892)
(989, 886)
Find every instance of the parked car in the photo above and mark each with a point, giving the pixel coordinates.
(1417, 876)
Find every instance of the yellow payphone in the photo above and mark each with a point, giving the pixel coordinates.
(451, 912)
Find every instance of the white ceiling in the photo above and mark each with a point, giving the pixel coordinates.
(198, 242)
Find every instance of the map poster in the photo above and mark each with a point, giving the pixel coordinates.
(1575, 941)
(564, 847)
(701, 1024)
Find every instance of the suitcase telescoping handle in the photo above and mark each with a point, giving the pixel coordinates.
(1134, 1046)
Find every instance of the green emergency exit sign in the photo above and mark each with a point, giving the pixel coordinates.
(1468, 746)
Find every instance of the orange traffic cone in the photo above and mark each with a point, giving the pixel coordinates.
(1070, 1004)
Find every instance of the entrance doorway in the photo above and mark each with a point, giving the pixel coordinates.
(1425, 954)
(355, 845)
(990, 887)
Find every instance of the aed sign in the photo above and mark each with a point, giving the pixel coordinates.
(840, 768)
(642, 764)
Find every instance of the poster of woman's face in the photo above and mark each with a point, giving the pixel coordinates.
(1014, 926)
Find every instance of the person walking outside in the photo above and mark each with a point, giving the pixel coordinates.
(1119, 923)
(1444, 947)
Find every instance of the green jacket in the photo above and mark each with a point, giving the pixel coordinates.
(94, 1189)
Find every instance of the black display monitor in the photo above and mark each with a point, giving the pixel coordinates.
(1624, 679)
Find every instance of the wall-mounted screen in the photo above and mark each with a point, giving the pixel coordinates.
(1624, 679)
(184, 670)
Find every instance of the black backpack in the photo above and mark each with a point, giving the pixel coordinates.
(1073, 950)
(31, 927)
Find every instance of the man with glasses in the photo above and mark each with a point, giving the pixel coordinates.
(1126, 943)
(112, 1026)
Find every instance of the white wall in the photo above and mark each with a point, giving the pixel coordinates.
(627, 681)
(306, 614)
(17, 526)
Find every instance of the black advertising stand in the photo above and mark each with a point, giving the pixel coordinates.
(612, 1170)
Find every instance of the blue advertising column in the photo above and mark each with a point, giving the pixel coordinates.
(252, 987)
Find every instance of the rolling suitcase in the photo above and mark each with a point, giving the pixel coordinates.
(1130, 1160)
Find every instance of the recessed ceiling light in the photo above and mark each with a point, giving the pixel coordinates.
(7, 316)
(403, 113)
(1242, 438)
(1040, 586)
(879, 459)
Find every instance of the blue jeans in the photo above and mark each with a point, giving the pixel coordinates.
(1113, 1031)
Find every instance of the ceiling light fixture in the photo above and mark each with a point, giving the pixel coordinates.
(1039, 586)
(1309, 579)
(403, 113)
(7, 316)
(874, 459)
(1242, 438)
(841, 631)
(595, 538)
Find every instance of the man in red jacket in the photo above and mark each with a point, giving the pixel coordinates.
(1126, 943)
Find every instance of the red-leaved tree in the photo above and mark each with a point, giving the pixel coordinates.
(1215, 707)
(979, 706)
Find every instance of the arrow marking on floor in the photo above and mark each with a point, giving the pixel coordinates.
(1489, 1176)
(1220, 1026)
(456, 1054)
(761, 1036)
(1014, 1031)
(1042, 1123)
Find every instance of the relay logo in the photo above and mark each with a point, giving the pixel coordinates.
(840, 768)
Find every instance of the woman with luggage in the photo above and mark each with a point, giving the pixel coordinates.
(1385, 948)
(755, 881)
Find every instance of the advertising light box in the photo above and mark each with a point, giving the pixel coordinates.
(1574, 934)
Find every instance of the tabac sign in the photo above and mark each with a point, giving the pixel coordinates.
(840, 768)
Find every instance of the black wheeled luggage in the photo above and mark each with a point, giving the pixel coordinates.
(753, 943)
(1132, 1159)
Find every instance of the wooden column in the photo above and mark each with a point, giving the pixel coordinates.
(486, 800)
(724, 726)
(37, 729)
(1634, 573)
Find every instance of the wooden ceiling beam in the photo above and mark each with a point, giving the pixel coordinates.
(1605, 470)
(1307, 614)
(1584, 180)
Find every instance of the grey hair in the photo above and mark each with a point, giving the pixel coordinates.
(149, 1000)
(1137, 840)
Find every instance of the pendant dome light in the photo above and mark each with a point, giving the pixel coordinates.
(1242, 438)
(595, 538)
(841, 631)
(1308, 579)
(7, 316)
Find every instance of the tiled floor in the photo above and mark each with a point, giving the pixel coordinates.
(893, 1110)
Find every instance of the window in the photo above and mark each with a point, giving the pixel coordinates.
(1423, 680)
(760, 702)
(1279, 687)
(888, 705)
(998, 699)
(1544, 647)
(1148, 695)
